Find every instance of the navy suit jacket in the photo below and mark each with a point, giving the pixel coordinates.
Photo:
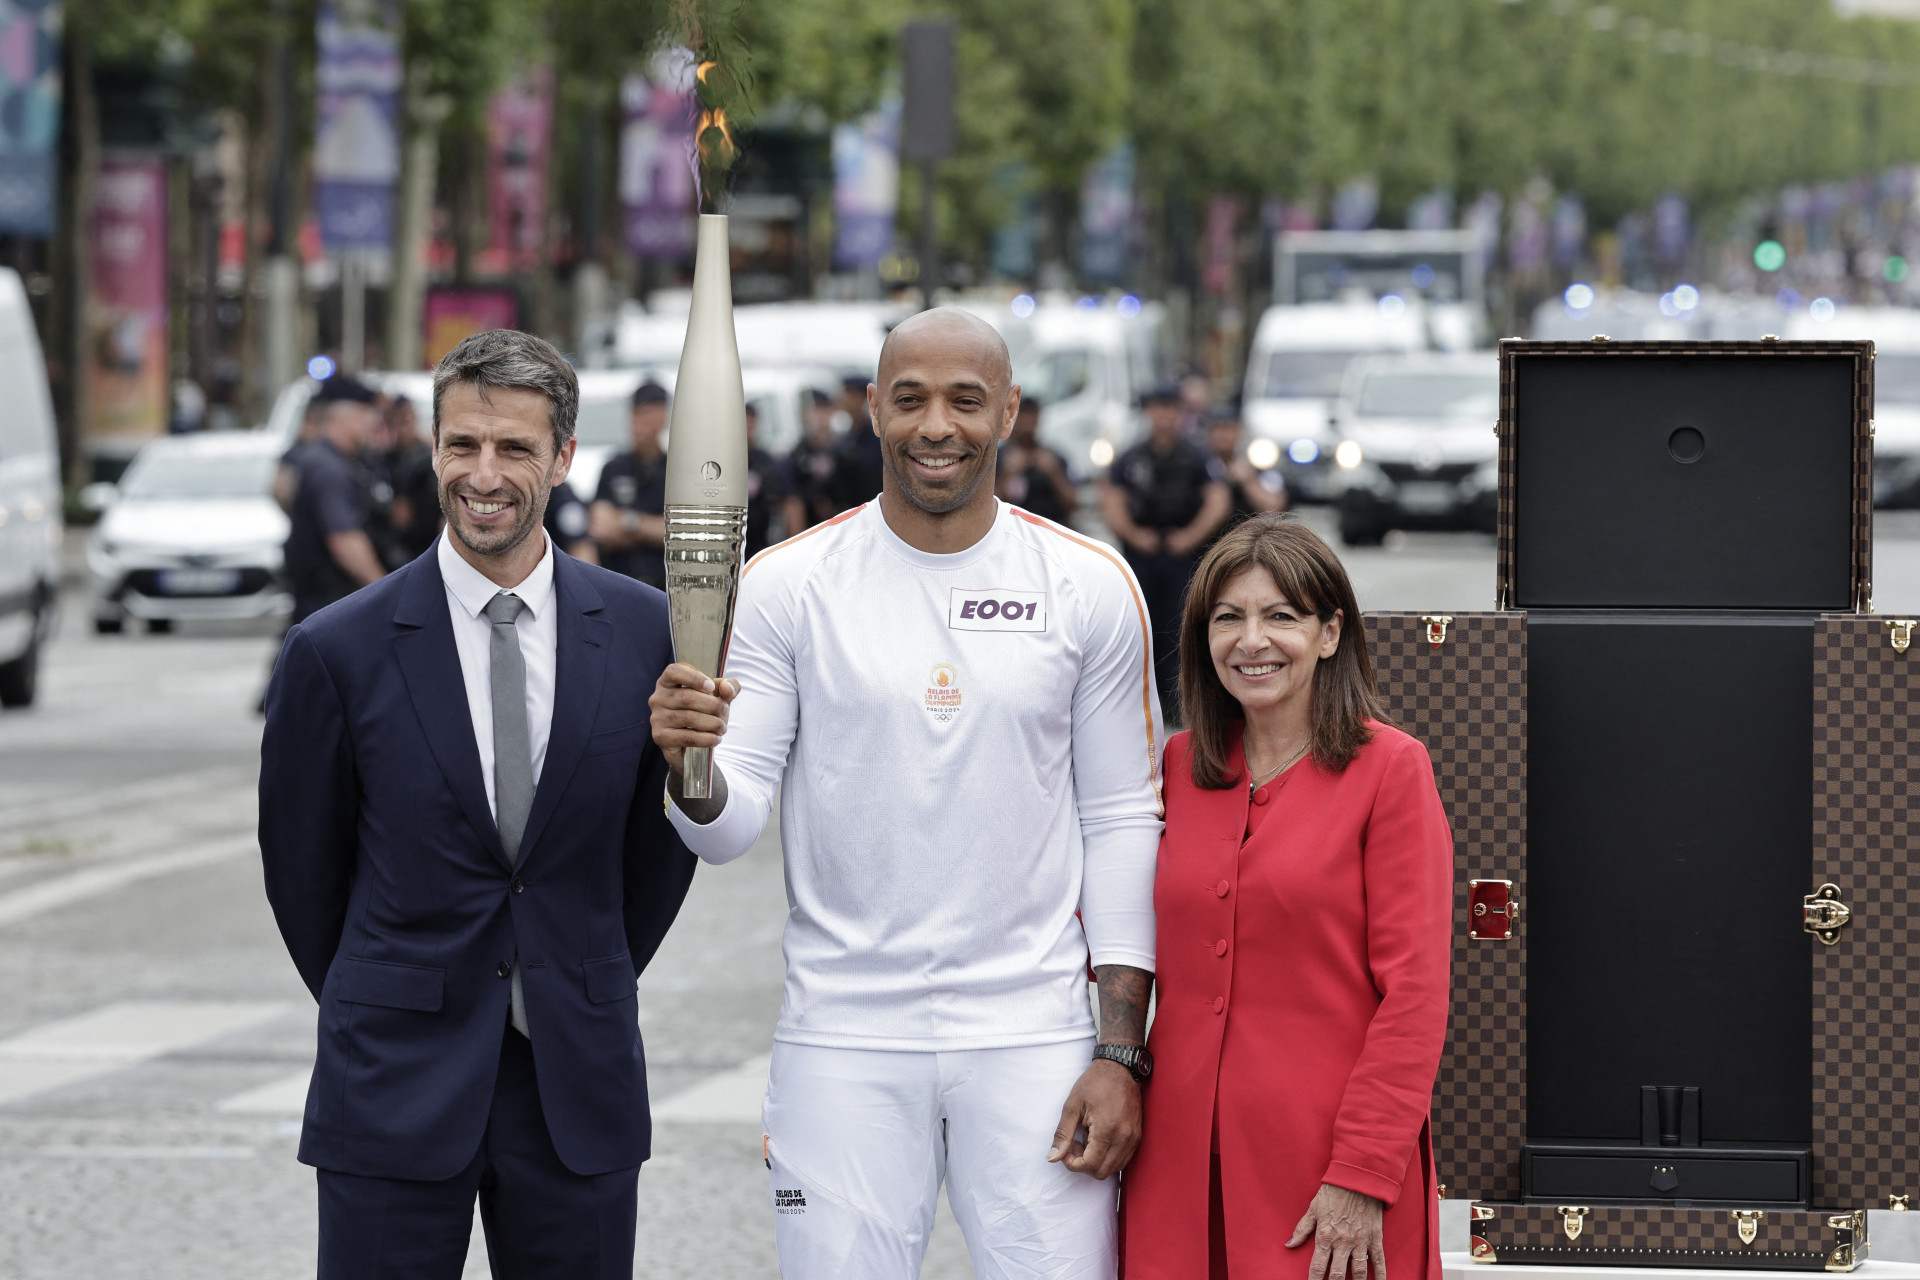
(384, 870)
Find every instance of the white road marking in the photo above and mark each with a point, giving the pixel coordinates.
(76, 886)
(113, 1151)
(731, 1097)
(286, 1096)
(116, 1037)
(99, 800)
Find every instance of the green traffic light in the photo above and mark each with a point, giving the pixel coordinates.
(1769, 255)
(1895, 269)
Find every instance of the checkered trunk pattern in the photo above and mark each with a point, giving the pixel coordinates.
(1786, 1239)
(1866, 987)
(1514, 352)
(1466, 699)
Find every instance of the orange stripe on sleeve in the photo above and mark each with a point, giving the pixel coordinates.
(848, 514)
(1146, 633)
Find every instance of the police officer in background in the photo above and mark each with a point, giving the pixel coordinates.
(328, 553)
(1252, 488)
(628, 519)
(1030, 474)
(567, 521)
(1164, 498)
(416, 493)
(810, 466)
(857, 467)
(767, 489)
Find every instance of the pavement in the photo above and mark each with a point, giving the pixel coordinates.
(155, 1041)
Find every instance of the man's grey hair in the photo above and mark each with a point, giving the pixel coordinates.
(510, 358)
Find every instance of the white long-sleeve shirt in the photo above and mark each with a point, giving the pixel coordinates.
(967, 752)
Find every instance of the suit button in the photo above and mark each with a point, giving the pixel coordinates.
(1219, 1004)
(1220, 947)
(504, 969)
(519, 885)
(1260, 797)
(1223, 888)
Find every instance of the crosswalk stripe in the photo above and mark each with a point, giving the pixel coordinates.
(118, 1036)
(76, 886)
(286, 1096)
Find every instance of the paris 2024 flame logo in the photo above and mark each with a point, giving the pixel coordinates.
(943, 692)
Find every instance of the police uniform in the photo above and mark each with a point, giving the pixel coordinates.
(810, 470)
(566, 518)
(333, 497)
(633, 484)
(1033, 488)
(767, 487)
(1164, 493)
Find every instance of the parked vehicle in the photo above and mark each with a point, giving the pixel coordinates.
(30, 515)
(191, 532)
(1295, 369)
(1895, 332)
(1417, 448)
(1088, 364)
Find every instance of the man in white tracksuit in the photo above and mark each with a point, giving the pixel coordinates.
(954, 700)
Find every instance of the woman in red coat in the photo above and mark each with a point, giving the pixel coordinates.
(1304, 897)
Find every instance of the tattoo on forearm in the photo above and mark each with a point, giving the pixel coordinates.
(1124, 992)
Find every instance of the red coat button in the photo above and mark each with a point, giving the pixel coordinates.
(1260, 797)
(1220, 947)
(1222, 888)
(1219, 1004)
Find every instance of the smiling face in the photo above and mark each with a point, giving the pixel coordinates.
(944, 401)
(1264, 648)
(496, 462)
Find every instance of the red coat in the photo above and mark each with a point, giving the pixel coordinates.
(1336, 911)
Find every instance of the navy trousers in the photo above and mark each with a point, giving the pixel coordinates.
(542, 1221)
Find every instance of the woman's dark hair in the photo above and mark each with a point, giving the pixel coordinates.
(1313, 580)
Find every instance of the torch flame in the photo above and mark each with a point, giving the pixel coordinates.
(714, 155)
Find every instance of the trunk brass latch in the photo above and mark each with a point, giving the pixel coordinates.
(1492, 910)
(1437, 624)
(1824, 915)
(1900, 633)
(1748, 1223)
(1573, 1217)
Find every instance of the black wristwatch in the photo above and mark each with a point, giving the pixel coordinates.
(1134, 1057)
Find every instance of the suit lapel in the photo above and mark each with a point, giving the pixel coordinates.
(423, 644)
(582, 638)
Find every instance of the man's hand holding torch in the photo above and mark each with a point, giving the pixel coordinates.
(690, 710)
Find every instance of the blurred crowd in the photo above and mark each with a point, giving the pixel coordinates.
(359, 489)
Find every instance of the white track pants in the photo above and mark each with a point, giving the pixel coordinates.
(859, 1141)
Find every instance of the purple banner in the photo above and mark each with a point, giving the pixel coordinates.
(866, 187)
(656, 165)
(356, 148)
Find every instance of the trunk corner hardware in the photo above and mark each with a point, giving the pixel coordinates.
(1747, 1221)
(1824, 915)
(1573, 1218)
(1482, 1251)
(1492, 912)
(1899, 1204)
(1900, 633)
(1437, 624)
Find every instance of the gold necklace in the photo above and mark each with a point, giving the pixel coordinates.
(1254, 784)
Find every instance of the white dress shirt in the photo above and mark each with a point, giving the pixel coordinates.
(468, 591)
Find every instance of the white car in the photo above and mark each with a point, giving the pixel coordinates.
(30, 523)
(1417, 448)
(1295, 368)
(190, 532)
(1895, 332)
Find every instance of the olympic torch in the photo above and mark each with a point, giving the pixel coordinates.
(706, 480)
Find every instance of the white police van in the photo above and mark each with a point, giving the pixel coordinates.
(30, 514)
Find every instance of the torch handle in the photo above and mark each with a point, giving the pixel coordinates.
(696, 775)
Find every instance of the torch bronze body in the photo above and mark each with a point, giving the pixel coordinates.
(706, 480)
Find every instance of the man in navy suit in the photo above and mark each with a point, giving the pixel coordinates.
(461, 822)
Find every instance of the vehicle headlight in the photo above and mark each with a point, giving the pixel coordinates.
(1100, 453)
(1348, 454)
(1263, 453)
(1304, 451)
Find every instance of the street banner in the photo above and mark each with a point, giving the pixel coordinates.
(29, 114)
(1106, 216)
(356, 150)
(657, 157)
(866, 187)
(127, 302)
(451, 316)
(1217, 266)
(519, 130)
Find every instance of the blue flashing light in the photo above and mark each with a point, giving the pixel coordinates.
(1303, 451)
(1787, 299)
(1022, 305)
(1423, 276)
(1579, 296)
(320, 368)
(1128, 306)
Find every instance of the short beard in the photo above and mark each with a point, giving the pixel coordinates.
(940, 504)
(531, 515)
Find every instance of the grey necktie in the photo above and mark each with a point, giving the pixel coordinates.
(512, 749)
